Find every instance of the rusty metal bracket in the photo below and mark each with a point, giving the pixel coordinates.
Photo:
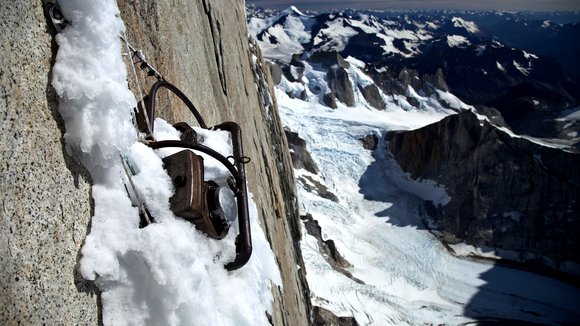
(237, 171)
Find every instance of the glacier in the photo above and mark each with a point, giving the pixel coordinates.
(401, 274)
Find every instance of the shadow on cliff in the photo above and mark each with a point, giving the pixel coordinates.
(510, 295)
(383, 181)
(77, 172)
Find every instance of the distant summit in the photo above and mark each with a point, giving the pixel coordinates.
(293, 10)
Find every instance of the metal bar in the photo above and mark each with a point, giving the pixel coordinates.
(244, 239)
(176, 91)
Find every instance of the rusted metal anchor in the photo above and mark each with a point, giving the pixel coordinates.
(196, 200)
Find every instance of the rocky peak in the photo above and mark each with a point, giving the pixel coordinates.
(507, 192)
(329, 59)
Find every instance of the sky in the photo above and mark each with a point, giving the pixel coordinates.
(532, 5)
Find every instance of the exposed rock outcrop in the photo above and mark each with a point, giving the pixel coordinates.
(370, 142)
(329, 100)
(329, 59)
(372, 95)
(314, 186)
(324, 317)
(340, 85)
(200, 46)
(507, 192)
(301, 158)
(328, 248)
(436, 80)
(276, 72)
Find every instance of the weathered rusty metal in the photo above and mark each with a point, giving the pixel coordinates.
(197, 200)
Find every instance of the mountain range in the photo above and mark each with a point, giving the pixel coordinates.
(472, 55)
(471, 125)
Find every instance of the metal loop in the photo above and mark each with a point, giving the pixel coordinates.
(242, 160)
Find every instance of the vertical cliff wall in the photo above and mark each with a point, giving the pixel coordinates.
(46, 199)
(200, 46)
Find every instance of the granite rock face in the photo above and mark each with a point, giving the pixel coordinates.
(507, 192)
(46, 195)
(370, 142)
(200, 46)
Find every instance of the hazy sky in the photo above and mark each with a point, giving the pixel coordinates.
(533, 5)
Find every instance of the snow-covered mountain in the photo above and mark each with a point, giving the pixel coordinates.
(448, 50)
(346, 79)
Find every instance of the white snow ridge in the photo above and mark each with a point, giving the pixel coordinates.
(167, 273)
(468, 25)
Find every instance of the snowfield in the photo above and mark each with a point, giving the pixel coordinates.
(167, 273)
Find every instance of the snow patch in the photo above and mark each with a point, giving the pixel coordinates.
(335, 37)
(500, 67)
(522, 69)
(453, 101)
(470, 26)
(457, 41)
(355, 62)
(530, 55)
(546, 24)
(570, 115)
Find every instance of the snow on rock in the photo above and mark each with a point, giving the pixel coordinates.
(355, 62)
(335, 37)
(546, 24)
(95, 101)
(522, 69)
(457, 41)
(167, 273)
(293, 9)
(570, 115)
(528, 55)
(500, 66)
(468, 25)
(283, 34)
(453, 101)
